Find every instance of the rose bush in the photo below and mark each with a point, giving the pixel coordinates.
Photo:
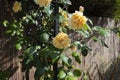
(33, 32)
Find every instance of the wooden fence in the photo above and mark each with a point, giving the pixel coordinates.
(100, 64)
(103, 63)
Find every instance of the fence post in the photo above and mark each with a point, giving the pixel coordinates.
(56, 22)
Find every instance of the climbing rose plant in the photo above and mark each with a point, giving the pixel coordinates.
(33, 32)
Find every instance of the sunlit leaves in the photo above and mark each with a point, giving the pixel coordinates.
(61, 75)
(9, 32)
(77, 57)
(87, 27)
(14, 28)
(84, 33)
(66, 60)
(101, 42)
(83, 47)
(101, 31)
(18, 46)
(5, 23)
(85, 76)
(74, 54)
(70, 78)
(65, 2)
(48, 10)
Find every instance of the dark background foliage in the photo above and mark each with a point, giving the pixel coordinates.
(97, 8)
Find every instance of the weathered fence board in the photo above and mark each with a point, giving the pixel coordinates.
(103, 60)
(101, 63)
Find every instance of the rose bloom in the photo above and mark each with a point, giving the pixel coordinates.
(16, 6)
(77, 20)
(61, 41)
(42, 3)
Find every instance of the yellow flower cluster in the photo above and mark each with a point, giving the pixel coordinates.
(42, 3)
(77, 20)
(16, 7)
(61, 41)
(65, 16)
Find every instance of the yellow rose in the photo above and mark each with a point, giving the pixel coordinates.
(61, 41)
(42, 3)
(16, 7)
(77, 20)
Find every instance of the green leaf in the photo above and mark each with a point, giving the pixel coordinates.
(78, 59)
(95, 39)
(61, 18)
(77, 72)
(70, 73)
(13, 33)
(83, 32)
(102, 31)
(101, 42)
(90, 21)
(84, 52)
(87, 27)
(5, 23)
(74, 54)
(9, 32)
(54, 56)
(66, 59)
(18, 46)
(47, 10)
(70, 78)
(61, 74)
(78, 44)
(104, 44)
(18, 32)
(85, 76)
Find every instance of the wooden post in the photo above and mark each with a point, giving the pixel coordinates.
(56, 23)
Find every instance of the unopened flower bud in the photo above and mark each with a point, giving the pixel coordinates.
(73, 48)
(81, 9)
